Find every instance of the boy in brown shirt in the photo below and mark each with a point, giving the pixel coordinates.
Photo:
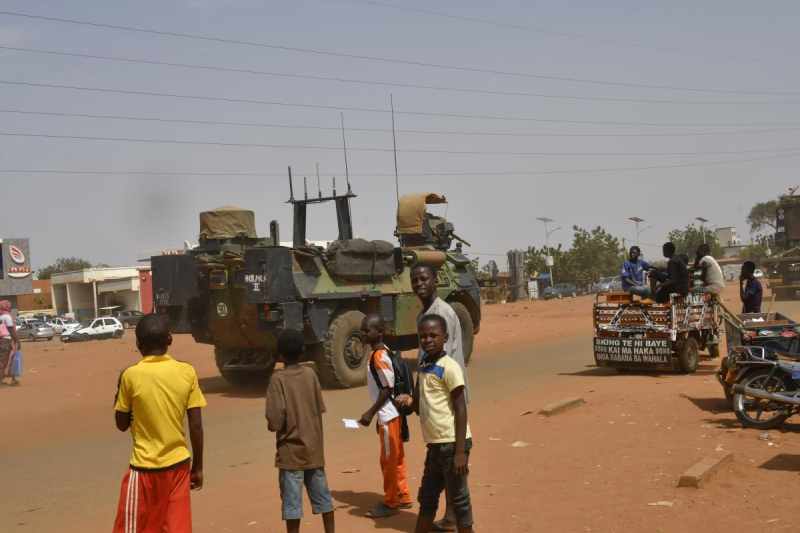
(294, 413)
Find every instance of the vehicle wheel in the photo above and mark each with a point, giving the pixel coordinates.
(240, 378)
(341, 359)
(688, 356)
(751, 411)
(49, 338)
(467, 329)
(118, 334)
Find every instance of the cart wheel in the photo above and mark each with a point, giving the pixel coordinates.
(688, 356)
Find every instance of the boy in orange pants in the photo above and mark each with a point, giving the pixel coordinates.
(380, 382)
(153, 397)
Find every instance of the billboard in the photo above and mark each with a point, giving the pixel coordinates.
(16, 274)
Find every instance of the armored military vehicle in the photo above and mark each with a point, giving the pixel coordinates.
(237, 291)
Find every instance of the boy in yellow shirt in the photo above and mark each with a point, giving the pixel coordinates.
(439, 401)
(153, 398)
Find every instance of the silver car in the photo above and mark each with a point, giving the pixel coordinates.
(34, 331)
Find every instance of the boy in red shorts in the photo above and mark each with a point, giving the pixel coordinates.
(153, 397)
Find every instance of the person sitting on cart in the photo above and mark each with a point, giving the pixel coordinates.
(676, 278)
(750, 289)
(633, 270)
(713, 279)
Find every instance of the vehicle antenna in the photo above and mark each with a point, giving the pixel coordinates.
(319, 189)
(394, 150)
(344, 146)
(305, 187)
(291, 187)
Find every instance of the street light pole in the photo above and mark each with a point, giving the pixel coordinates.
(702, 221)
(637, 221)
(547, 232)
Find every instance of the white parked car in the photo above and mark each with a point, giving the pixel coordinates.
(59, 325)
(106, 327)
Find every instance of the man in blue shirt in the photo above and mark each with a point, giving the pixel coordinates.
(633, 274)
(750, 289)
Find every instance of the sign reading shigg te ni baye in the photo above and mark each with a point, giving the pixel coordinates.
(644, 351)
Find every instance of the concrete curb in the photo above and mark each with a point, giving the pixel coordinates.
(699, 473)
(560, 407)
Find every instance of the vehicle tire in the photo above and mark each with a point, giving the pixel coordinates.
(742, 406)
(467, 329)
(688, 356)
(49, 338)
(249, 380)
(118, 334)
(341, 359)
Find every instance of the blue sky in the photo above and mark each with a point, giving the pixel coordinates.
(742, 50)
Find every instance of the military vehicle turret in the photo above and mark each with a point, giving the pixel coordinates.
(237, 291)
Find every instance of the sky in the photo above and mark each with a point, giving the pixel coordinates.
(584, 112)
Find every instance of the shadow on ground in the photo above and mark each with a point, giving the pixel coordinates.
(358, 503)
(710, 405)
(785, 462)
(599, 371)
(218, 385)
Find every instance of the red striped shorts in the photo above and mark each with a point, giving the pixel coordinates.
(155, 501)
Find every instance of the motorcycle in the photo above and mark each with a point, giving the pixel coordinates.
(767, 388)
(740, 361)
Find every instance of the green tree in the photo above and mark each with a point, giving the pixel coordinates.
(63, 264)
(688, 239)
(762, 216)
(594, 254)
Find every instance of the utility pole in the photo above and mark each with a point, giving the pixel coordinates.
(547, 232)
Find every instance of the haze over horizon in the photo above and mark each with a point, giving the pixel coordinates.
(581, 112)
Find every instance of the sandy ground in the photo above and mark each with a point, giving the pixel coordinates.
(599, 468)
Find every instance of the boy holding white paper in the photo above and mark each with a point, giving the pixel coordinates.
(380, 384)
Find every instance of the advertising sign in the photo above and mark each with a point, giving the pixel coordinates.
(633, 351)
(16, 273)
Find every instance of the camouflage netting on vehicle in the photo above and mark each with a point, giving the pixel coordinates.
(361, 260)
(227, 223)
(411, 211)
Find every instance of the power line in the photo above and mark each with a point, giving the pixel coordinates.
(386, 130)
(534, 29)
(131, 92)
(384, 150)
(362, 57)
(379, 83)
(487, 173)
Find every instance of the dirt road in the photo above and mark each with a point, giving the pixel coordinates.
(599, 468)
